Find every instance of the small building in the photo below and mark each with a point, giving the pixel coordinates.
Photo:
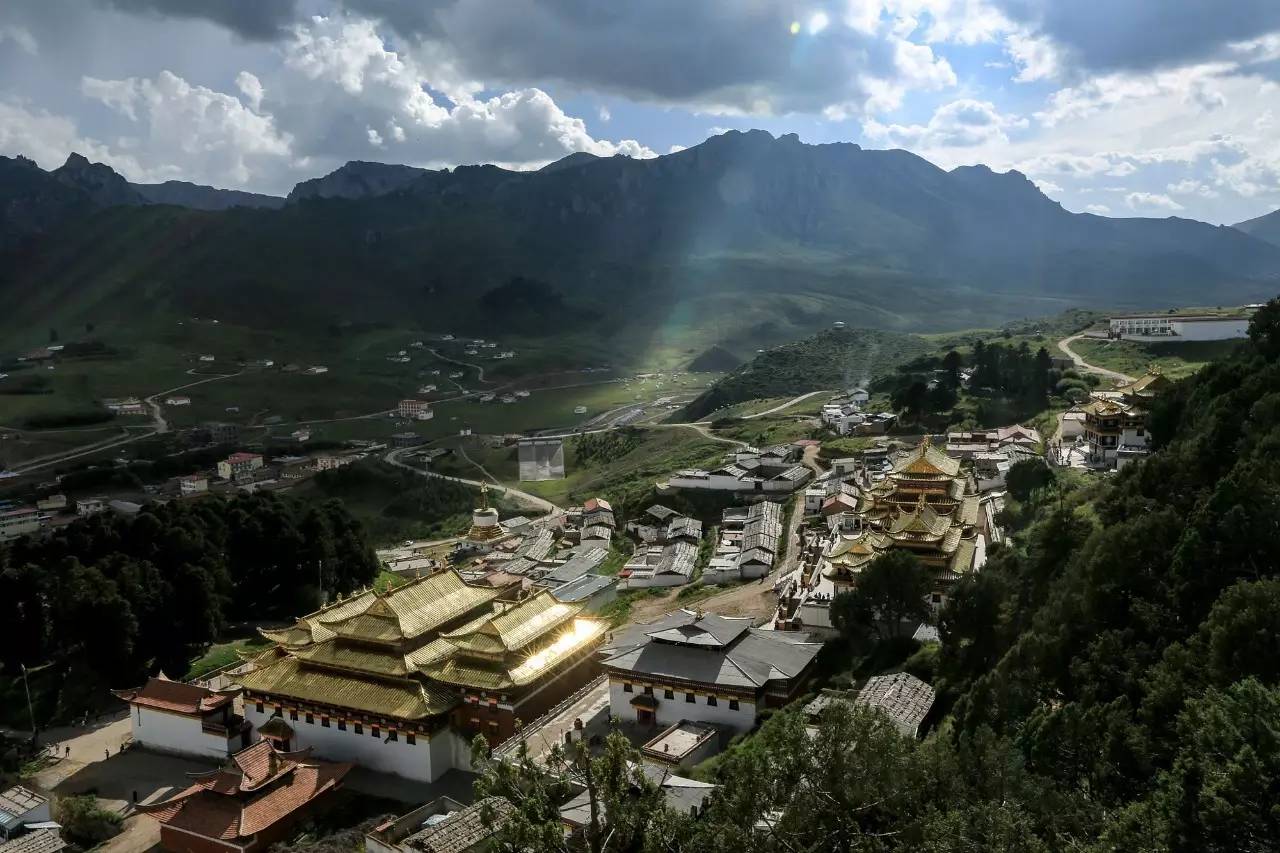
(223, 433)
(415, 409)
(682, 745)
(441, 826)
(686, 796)
(185, 719)
(660, 565)
(177, 401)
(22, 521)
(90, 506)
(252, 803)
(52, 503)
(45, 839)
(705, 668)
(905, 699)
(813, 498)
(239, 466)
(587, 559)
(594, 591)
(20, 806)
(193, 484)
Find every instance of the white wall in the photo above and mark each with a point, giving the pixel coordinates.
(1211, 330)
(671, 711)
(165, 732)
(424, 761)
(645, 581)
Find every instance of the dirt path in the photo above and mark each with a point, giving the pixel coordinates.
(534, 501)
(793, 401)
(1065, 346)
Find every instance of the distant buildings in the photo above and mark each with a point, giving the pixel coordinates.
(704, 668)
(177, 401)
(1174, 327)
(414, 409)
(660, 565)
(193, 484)
(19, 522)
(591, 524)
(239, 466)
(773, 470)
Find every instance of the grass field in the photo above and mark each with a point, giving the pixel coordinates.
(223, 654)
(1175, 360)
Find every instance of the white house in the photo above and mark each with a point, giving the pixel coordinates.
(20, 806)
(1173, 327)
(19, 522)
(706, 668)
(186, 719)
(193, 484)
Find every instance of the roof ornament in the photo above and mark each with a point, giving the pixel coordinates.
(484, 495)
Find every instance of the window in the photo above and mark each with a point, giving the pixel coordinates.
(373, 730)
(626, 687)
(279, 711)
(310, 719)
(324, 721)
(648, 690)
(410, 738)
(688, 697)
(392, 736)
(493, 727)
(668, 694)
(711, 701)
(293, 715)
(733, 704)
(342, 725)
(359, 728)
(259, 707)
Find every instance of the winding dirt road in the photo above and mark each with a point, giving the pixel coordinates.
(1065, 346)
(793, 401)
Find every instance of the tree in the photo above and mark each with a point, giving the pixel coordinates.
(911, 398)
(1026, 477)
(1264, 330)
(892, 588)
(951, 364)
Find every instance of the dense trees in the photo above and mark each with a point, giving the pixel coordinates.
(891, 590)
(110, 598)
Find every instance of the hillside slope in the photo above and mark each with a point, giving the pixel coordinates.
(1265, 227)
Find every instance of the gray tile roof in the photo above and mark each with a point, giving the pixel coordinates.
(903, 697)
(462, 829)
(537, 547)
(578, 565)
(583, 587)
(681, 794)
(37, 841)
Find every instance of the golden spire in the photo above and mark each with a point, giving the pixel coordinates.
(484, 495)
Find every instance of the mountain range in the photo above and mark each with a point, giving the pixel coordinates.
(746, 239)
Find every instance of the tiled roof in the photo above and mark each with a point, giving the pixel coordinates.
(164, 695)
(578, 565)
(404, 699)
(463, 829)
(905, 698)
(36, 841)
(17, 801)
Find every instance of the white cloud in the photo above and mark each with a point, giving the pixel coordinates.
(251, 87)
(20, 36)
(675, 149)
(1194, 85)
(48, 139)
(1190, 186)
(604, 114)
(1048, 187)
(1099, 209)
(1035, 57)
(375, 138)
(958, 124)
(1141, 200)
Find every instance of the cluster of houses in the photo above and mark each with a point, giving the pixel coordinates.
(773, 470)
(1111, 429)
(748, 545)
(847, 415)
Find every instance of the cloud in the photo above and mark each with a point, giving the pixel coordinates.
(21, 37)
(1048, 187)
(1140, 35)
(1099, 209)
(251, 87)
(604, 114)
(1193, 85)
(1190, 186)
(1035, 58)
(961, 123)
(250, 19)
(1141, 200)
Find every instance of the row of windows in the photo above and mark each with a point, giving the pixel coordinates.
(712, 701)
(358, 728)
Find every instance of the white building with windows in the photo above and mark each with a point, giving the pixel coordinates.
(185, 719)
(706, 668)
(1175, 327)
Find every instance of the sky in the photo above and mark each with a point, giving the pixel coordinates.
(1115, 107)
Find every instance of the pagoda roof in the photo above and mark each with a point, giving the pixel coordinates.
(260, 788)
(331, 654)
(402, 698)
(923, 521)
(1146, 385)
(927, 461)
(522, 668)
(516, 627)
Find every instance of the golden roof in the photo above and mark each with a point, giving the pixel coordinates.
(426, 604)
(524, 669)
(926, 461)
(402, 698)
(920, 522)
(346, 657)
(1147, 385)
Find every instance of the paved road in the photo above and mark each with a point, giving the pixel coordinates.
(1065, 346)
(393, 457)
(793, 401)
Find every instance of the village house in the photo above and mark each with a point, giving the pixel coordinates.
(240, 466)
(400, 682)
(193, 484)
(660, 565)
(177, 401)
(21, 807)
(186, 719)
(253, 802)
(773, 471)
(964, 445)
(704, 668)
(682, 795)
(415, 410)
(900, 696)
(682, 745)
(590, 590)
(52, 503)
(748, 543)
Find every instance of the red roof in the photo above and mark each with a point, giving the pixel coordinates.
(597, 504)
(260, 788)
(165, 695)
(243, 457)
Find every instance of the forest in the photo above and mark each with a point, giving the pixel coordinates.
(1109, 681)
(110, 599)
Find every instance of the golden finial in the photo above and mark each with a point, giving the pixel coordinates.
(484, 495)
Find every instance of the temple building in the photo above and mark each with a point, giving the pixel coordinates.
(246, 806)
(170, 716)
(924, 505)
(402, 681)
(1115, 422)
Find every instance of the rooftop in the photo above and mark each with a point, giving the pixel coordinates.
(162, 694)
(45, 840)
(18, 801)
(463, 829)
(679, 740)
(903, 697)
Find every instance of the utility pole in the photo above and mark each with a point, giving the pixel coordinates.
(30, 711)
